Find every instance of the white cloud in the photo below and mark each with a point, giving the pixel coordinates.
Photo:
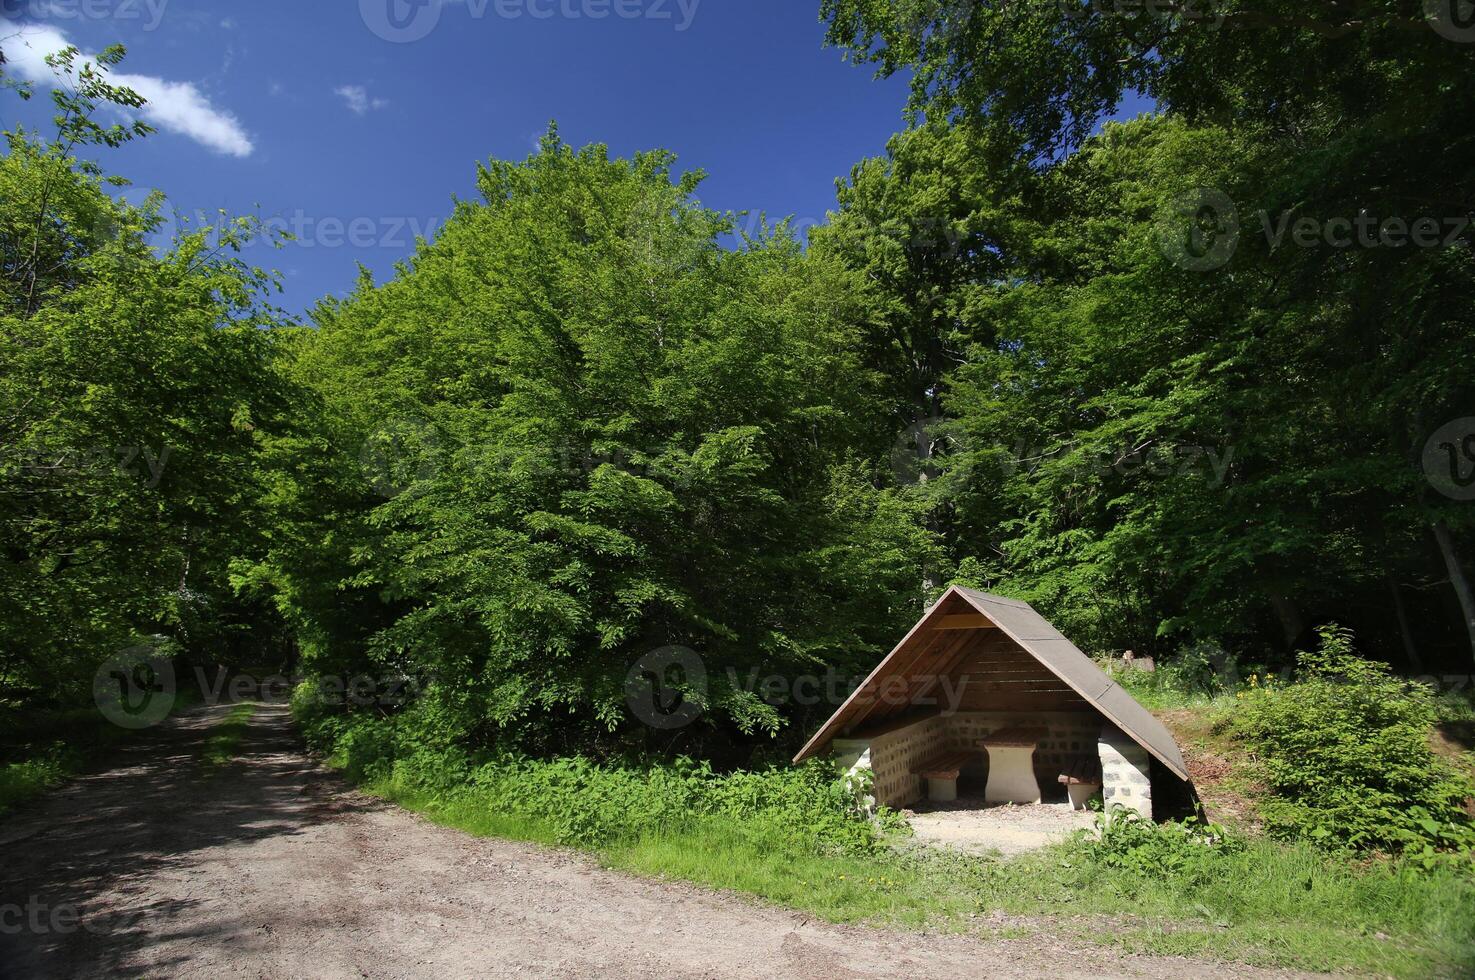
(357, 98)
(175, 107)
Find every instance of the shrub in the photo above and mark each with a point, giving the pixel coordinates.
(1345, 753)
(1127, 841)
(806, 808)
(590, 804)
(1193, 676)
(311, 710)
(20, 781)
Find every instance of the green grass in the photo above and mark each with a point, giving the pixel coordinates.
(717, 853)
(1164, 690)
(42, 748)
(1269, 904)
(1456, 706)
(28, 779)
(224, 741)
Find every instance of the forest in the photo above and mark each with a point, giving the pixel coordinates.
(1195, 383)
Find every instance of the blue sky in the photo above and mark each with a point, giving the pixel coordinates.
(355, 128)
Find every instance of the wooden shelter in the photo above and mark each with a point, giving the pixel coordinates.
(978, 663)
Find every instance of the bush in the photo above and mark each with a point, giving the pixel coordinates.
(21, 781)
(1127, 841)
(1345, 753)
(312, 712)
(1195, 675)
(589, 804)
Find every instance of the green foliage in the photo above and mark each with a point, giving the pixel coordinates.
(1345, 752)
(22, 781)
(1080, 378)
(575, 429)
(1457, 706)
(1197, 675)
(1043, 75)
(1153, 454)
(806, 808)
(798, 810)
(579, 426)
(137, 390)
(1125, 840)
(84, 90)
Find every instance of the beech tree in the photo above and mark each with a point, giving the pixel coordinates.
(586, 431)
(136, 387)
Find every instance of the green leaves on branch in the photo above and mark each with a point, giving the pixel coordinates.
(1345, 752)
(589, 426)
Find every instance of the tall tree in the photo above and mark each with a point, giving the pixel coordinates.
(1154, 450)
(1353, 114)
(134, 390)
(588, 432)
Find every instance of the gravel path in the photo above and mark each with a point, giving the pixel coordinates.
(273, 868)
(970, 824)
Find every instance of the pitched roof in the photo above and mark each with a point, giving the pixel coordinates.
(928, 643)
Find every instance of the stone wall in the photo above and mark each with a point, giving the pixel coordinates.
(895, 754)
(1125, 772)
(891, 757)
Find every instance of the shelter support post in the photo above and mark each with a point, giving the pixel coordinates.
(1125, 772)
(854, 757)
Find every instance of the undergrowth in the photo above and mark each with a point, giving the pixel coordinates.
(25, 780)
(796, 837)
(1345, 752)
(42, 748)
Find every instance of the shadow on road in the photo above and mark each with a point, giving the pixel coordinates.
(74, 866)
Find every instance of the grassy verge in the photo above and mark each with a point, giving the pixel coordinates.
(1266, 904)
(41, 749)
(28, 779)
(225, 737)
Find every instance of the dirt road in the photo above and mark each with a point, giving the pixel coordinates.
(273, 868)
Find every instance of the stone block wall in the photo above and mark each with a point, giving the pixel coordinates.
(1125, 772)
(895, 754)
(892, 756)
(853, 755)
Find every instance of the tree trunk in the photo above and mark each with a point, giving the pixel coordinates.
(1457, 578)
(1291, 622)
(1410, 650)
(925, 452)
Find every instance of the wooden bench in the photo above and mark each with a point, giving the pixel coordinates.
(1081, 778)
(941, 772)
